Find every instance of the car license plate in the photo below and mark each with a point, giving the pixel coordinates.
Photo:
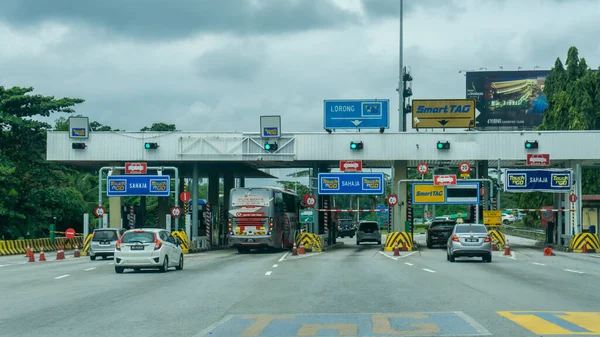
(471, 240)
(137, 247)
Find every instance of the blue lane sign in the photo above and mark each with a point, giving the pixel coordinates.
(138, 185)
(546, 180)
(351, 183)
(356, 114)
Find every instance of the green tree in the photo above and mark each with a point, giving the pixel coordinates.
(160, 127)
(574, 104)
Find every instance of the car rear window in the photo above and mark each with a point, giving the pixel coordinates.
(105, 236)
(443, 224)
(138, 237)
(470, 229)
(345, 222)
(369, 227)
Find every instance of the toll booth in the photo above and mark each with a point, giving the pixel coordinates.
(201, 215)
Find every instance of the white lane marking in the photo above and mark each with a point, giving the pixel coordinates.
(303, 256)
(283, 257)
(61, 276)
(88, 269)
(23, 262)
(268, 273)
(396, 257)
(4, 265)
(275, 265)
(574, 271)
(429, 270)
(538, 264)
(408, 264)
(473, 323)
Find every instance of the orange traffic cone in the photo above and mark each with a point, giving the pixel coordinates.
(32, 257)
(548, 252)
(76, 254)
(294, 250)
(301, 250)
(507, 249)
(28, 251)
(42, 256)
(60, 253)
(396, 250)
(584, 249)
(404, 247)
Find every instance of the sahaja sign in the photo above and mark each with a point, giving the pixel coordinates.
(546, 180)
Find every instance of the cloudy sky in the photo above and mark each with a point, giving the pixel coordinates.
(216, 65)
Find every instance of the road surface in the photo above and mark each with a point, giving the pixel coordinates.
(351, 291)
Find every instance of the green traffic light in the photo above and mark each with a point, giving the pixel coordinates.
(147, 145)
(353, 146)
(440, 146)
(528, 145)
(267, 146)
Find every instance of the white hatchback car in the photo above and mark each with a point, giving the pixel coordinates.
(148, 248)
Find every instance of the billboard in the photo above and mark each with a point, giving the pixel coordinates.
(542, 180)
(508, 99)
(443, 113)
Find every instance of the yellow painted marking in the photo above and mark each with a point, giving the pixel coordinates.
(556, 322)
(382, 325)
(261, 322)
(342, 329)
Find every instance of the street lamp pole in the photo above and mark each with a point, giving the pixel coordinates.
(400, 75)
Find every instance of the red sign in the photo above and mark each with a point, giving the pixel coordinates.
(446, 179)
(351, 165)
(483, 191)
(185, 196)
(176, 211)
(310, 200)
(423, 168)
(99, 211)
(136, 168)
(70, 233)
(392, 200)
(464, 167)
(572, 197)
(537, 159)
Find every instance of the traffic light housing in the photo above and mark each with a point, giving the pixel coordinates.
(531, 144)
(78, 146)
(151, 146)
(270, 147)
(443, 146)
(356, 145)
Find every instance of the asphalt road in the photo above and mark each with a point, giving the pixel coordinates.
(351, 291)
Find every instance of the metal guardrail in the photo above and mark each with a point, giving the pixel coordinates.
(525, 230)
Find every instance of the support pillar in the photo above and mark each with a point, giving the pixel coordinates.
(115, 203)
(228, 184)
(399, 216)
(213, 200)
(195, 222)
(163, 210)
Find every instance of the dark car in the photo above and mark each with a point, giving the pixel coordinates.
(346, 228)
(439, 231)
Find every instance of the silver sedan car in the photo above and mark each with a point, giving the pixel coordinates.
(469, 240)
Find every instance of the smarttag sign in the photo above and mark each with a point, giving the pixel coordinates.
(270, 126)
(462, 193)
(138, 185)
(443, 113)
(351, 183)
(78, 127)
(547, 180)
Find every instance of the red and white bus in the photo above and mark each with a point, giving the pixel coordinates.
(262, 217)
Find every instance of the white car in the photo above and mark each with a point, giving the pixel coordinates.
(508, 219)
(148, 248)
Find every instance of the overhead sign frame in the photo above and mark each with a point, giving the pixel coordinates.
(356, 114)
(538, 180)
(443, 113)
(337, 183)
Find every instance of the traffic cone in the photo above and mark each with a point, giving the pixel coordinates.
(76, 254)
(42, 256)
(507, 249)
(584, 249)
(404, 247)
(494, 248)
(60, 253)
(301, 250)
(396, 250)
(294, 250)
(32, 257)
(28, 251)
(548, 252)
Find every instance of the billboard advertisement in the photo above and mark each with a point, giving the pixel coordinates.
(546, 180)
(508, 99)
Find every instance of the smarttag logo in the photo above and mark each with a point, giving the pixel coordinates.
(78, 132)
(371, 183)
(270, 131)
(517, 179)
(330, 183)
(560, 180)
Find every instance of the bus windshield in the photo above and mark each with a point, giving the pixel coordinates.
(250, 197)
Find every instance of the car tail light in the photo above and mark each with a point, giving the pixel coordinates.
(157, 244)
(455, 238)
(487, 239)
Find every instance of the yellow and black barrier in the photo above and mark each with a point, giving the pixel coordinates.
(577, 241)
(181, 235)
(15, 247)
(312, 242)
(393, 237)
(86, 245)
(498, 238)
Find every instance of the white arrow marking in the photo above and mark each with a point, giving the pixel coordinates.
(356, 122)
